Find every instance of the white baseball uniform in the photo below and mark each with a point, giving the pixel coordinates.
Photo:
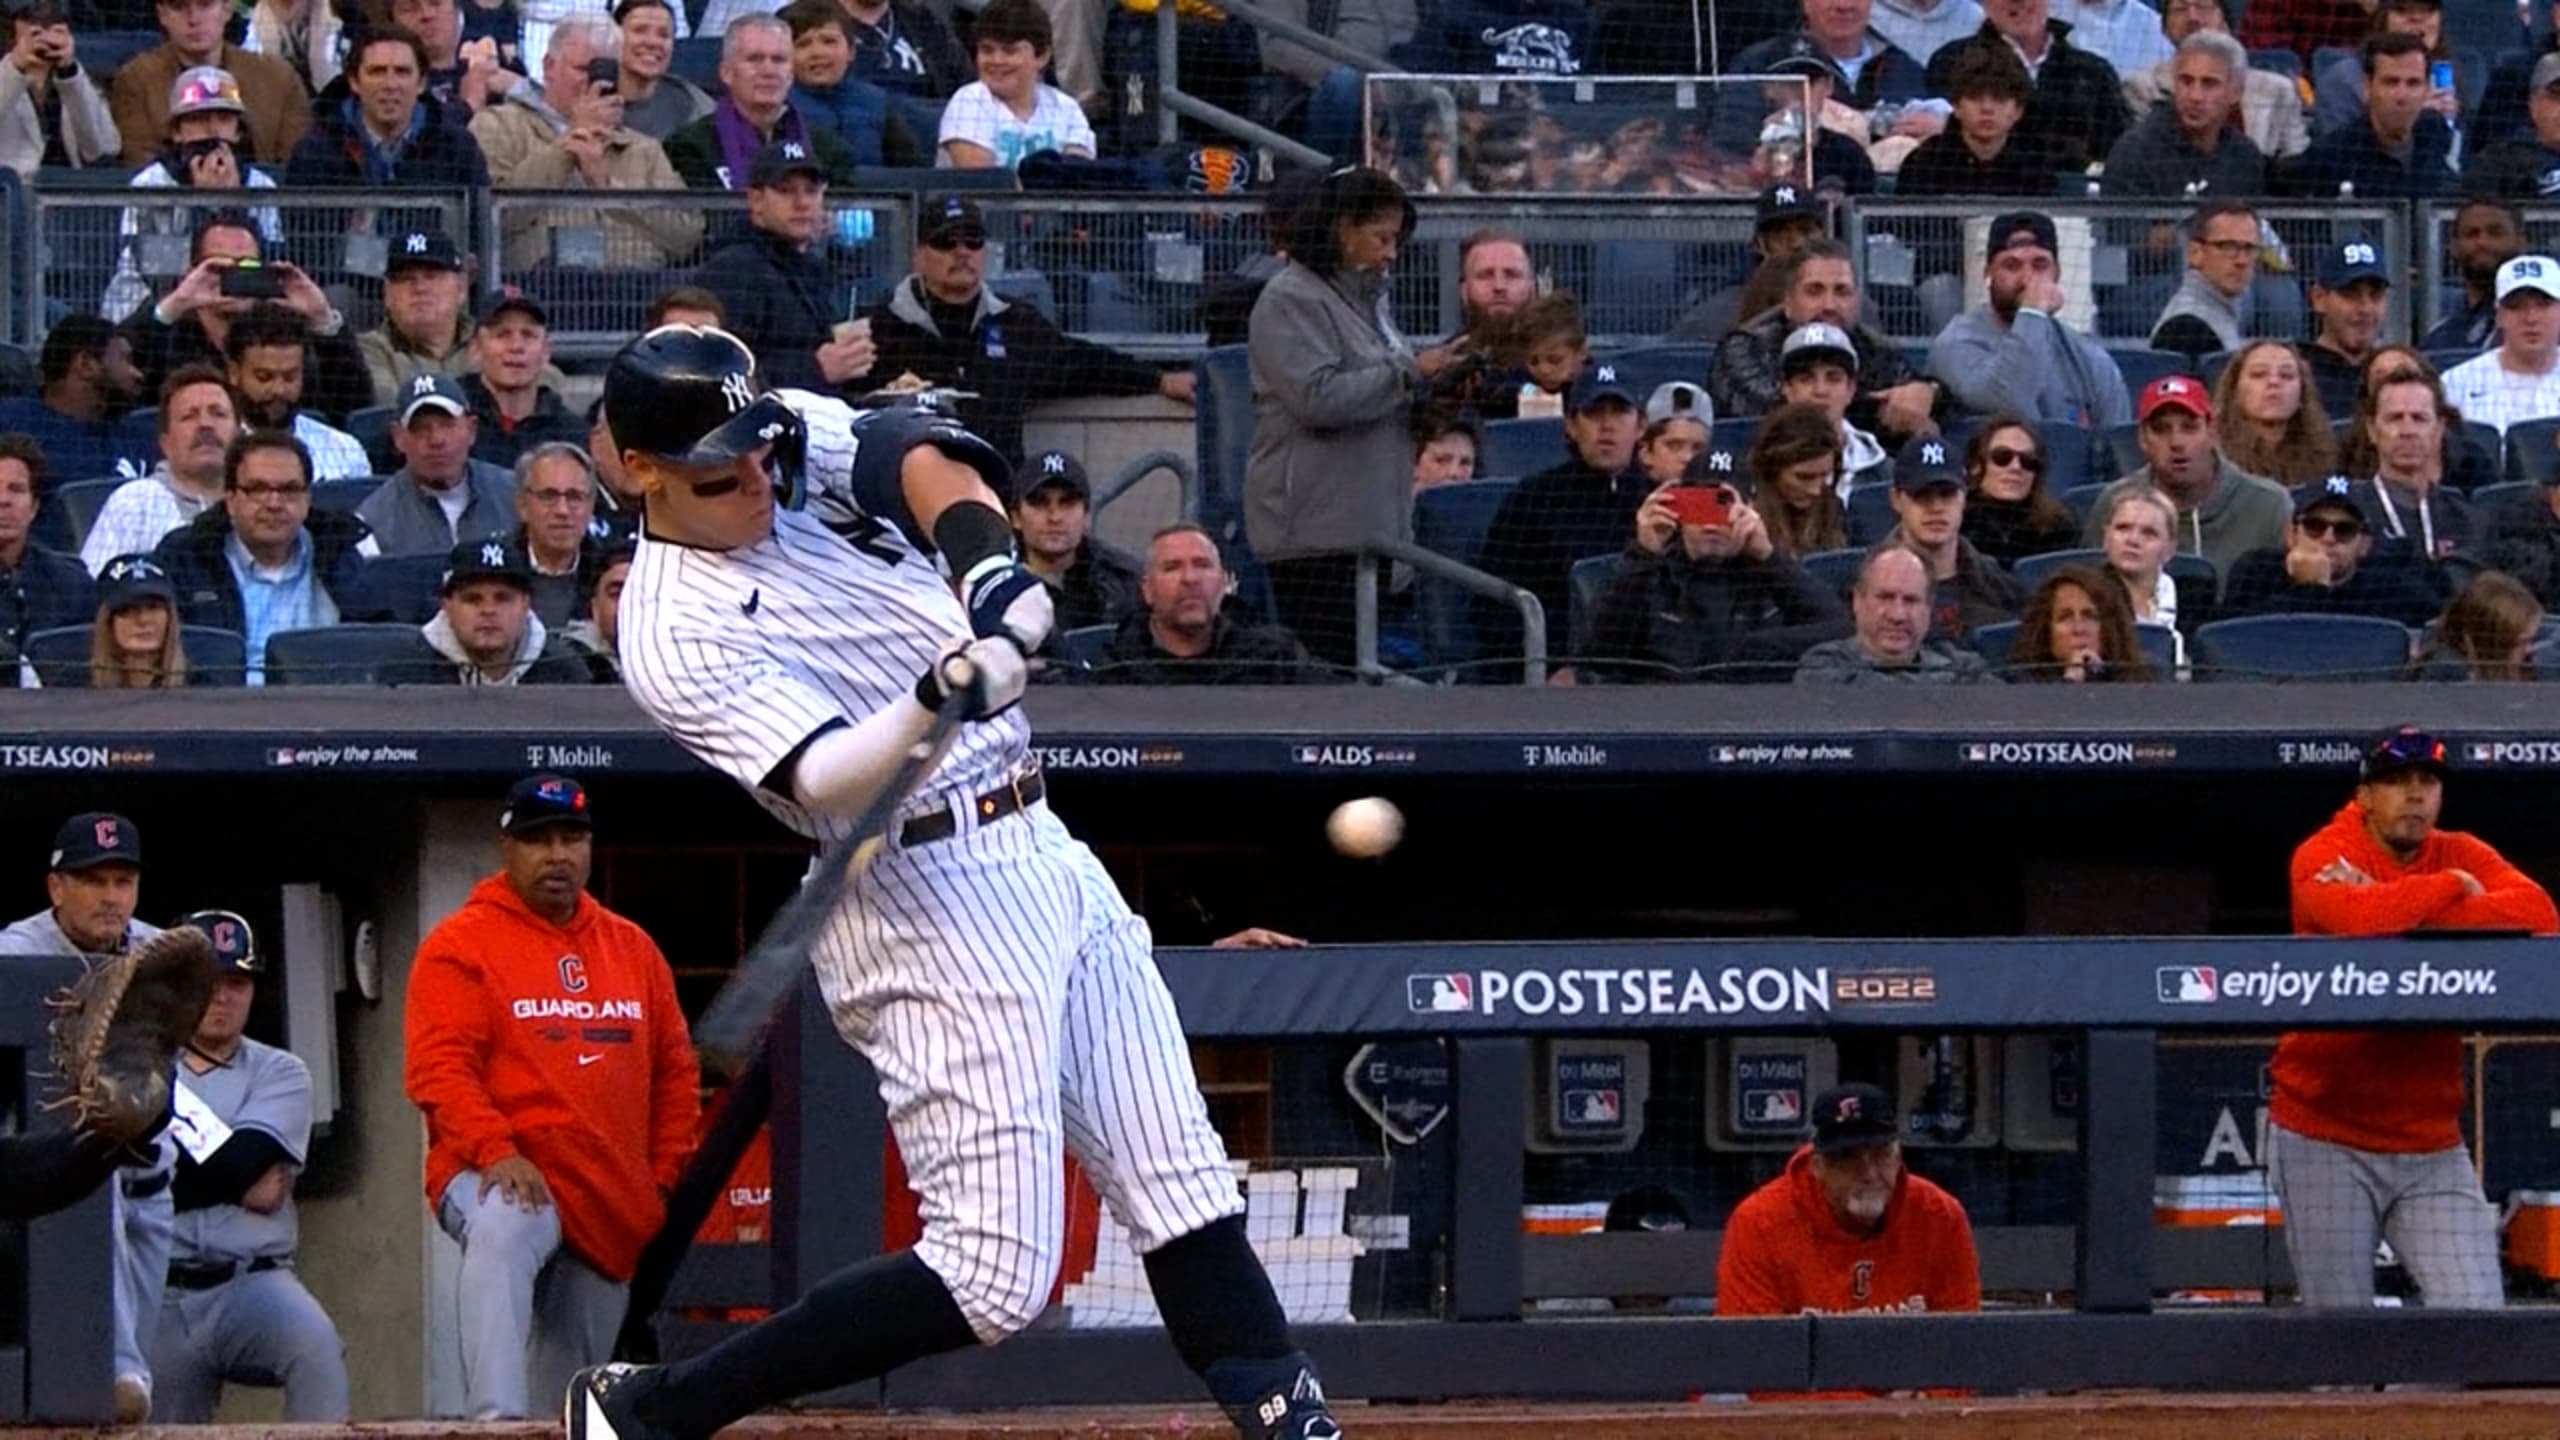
(995, 979)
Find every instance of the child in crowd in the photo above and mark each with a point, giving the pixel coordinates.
(1007, 113)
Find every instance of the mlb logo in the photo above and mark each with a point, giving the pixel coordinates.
(1726, 755)
(1773, 1108)
(1451, 994)
(281, 755)
(2188, 984)
(1592, 1107)
(1306, 754)
(2481, 754)
(1977, 754)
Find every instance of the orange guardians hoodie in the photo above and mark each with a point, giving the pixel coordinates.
(2395, 1092)
(1785, 1253)
(562, 1044)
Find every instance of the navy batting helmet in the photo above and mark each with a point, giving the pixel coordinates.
(688, 394)
(235, 948)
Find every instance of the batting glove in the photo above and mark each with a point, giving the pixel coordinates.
(1006, 599)
(993, 671)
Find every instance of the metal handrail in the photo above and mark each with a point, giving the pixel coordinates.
(1172, 104)
(1533, 611)
(1185, 475)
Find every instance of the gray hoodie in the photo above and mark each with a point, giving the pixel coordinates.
(2035, 366)
(1846, 662)
(1333, 381)
(2245, 512)
(540, 660)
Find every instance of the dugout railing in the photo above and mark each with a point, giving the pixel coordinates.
(57, 1320)
(2114, 994)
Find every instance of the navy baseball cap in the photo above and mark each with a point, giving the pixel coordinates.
(2337, 493)
(2022, 227)
(1787, 201)
(1848, 1116)
(423, 249)
(130, 580)
(1598, 383)
(235, 946)
(1055, 470)
(2350, 261)
(508, 297)
(951, 215)
(94, 838)
(2407, 748)
(486, 560)
(432, 390)
(539, 800)
(783, 159)
(1926, 466)
(1802, 59)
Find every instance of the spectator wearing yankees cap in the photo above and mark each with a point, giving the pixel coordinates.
(2224, 512)
(1703, 599)
(1678, 418)
(1968, 590)
(1818, 366)
(1053, 517)
(441, 496)
(1892, 399)
(134, 643)
(1847, 1228)
(2014, 354)
(2520, 379)
(426, 320)
(2351, 293)
(1569, 511)
(2329, 565)
(776, 283)
(485, 632)
(1790, 215)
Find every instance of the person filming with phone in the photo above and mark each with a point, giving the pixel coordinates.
(226, 274)
(1700, 592)
(566, 133)
(202, 151)
(51, 110)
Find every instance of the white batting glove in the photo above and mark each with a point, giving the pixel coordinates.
(995, 669)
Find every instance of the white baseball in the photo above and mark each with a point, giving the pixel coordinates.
(1365, 829)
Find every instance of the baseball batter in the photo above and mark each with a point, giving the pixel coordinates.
(984, 962)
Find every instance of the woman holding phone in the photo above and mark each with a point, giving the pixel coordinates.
(1702, 592)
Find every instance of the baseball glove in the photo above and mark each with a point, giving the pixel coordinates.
(119, 1029)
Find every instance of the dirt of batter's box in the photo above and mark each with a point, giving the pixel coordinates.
(2398, 1415)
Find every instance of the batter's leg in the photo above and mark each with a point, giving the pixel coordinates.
(2331, 1218)
(1136, 1119)
(2444, 1229)
(503, 1248)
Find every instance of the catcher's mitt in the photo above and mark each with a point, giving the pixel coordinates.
(119, 1031)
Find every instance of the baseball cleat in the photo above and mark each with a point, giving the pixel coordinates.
(602, 1405)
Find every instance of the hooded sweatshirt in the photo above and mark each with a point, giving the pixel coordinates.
(2245, 512)
(1786, 1254)
(540, 660)
(2398, 1092)
(560, 1044)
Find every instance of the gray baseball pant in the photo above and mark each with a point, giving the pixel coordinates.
(533, 1313)
(261, 1329)
(2338, 1200)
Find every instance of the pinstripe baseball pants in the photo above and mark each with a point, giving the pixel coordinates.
(1009, 1000)
(2338, 1200)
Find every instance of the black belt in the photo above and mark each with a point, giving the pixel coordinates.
(145, 1184)
(205, 1277)
(942, 824)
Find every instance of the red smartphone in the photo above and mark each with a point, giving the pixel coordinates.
(1703, 504)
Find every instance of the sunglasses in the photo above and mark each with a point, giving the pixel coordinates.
(947, 243)
(2320, 529)
(2032, 462)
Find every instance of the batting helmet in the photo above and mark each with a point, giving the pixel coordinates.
(688, 394)
(235, 947)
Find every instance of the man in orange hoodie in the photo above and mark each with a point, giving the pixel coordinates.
(1847, 1229)
(2365, 1127)
(547, 1052)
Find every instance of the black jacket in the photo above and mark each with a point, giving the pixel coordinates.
(2524, 541)
(208, 594)
(501, 440)
(1944, 165)
(1098, 589)
(2155, 159)
(1979, 593)
(783, 301)
(1012, 355)
(334, 380)
(2520, 169)
(46, 591)
(2078, 108)
(2001, 530)
(1743, 380)
(443, 155)
(1683, 616)
(1556, 517)
(694, 151)
(561, 663)
(1237, 655)
(2385, 586)
(2353, 156)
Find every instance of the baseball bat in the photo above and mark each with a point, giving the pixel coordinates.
(741, 1115)
(732, 1030)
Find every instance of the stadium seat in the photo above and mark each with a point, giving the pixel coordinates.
(924, 179)
(1635, 290)
(1452, 520)
(1870, 515)
(1585, 583)
(215, 656)
(2199, 583)
(17, 372)
(2280, 61)
(2209, 369)
(2032, 569)
(2533, 451)
(1225, 430)
(339, 654)
(1083, 645)
(1516, 449)
(341, 497)
(2445, 360)
(1994, 642)
(2301, 647)
(2122, 449)
(1835, 568)
(2141, 366)
(77, 506)
(2488, 500)
(2066, 455)
(2084, 498)
(406, 585)
(1735, 435)
(2485, 439)
(1648, 367)
(697, 58)
(2159, 646)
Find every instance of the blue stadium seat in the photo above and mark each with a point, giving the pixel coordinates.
(2445, 360)
(1650, 366)
(1083, 645)
(103, 51)
(1870, 516)
(2032, 569)
(1634, 290)
(1452, 520)
(2066, 456)
(1517, 449)
(341, 497)
(215, 656)
(2485, 439)
(1734, 434)
(2301, 647)
(2488, 500)
(1835, 568)
(2122, 449)
(1225, 430)
(17, 372)
(2084, 498)
(406, 585)
(697, 58)
(2198, 582)
(925, 179)
(340, 654)
(78, 505)
(1994, 642)
(2209, 368)
(2140, 366)
(2533, 451)
(1585, 583)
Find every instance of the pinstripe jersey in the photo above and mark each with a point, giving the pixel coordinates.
(742, 655)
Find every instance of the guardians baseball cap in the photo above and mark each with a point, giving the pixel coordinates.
(204, 90)
(235, 947)
(423, 250)
(1596, 385)
(130, 580)
(1848, 1116)
(429, 390)
(1055, 470)
(1926, 467)
(97, 837)
(2174, 392)
(486, 560)
(2021, 227)
(539, 800)
(1814, 343)
(2538, 273)
(2407, 748)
